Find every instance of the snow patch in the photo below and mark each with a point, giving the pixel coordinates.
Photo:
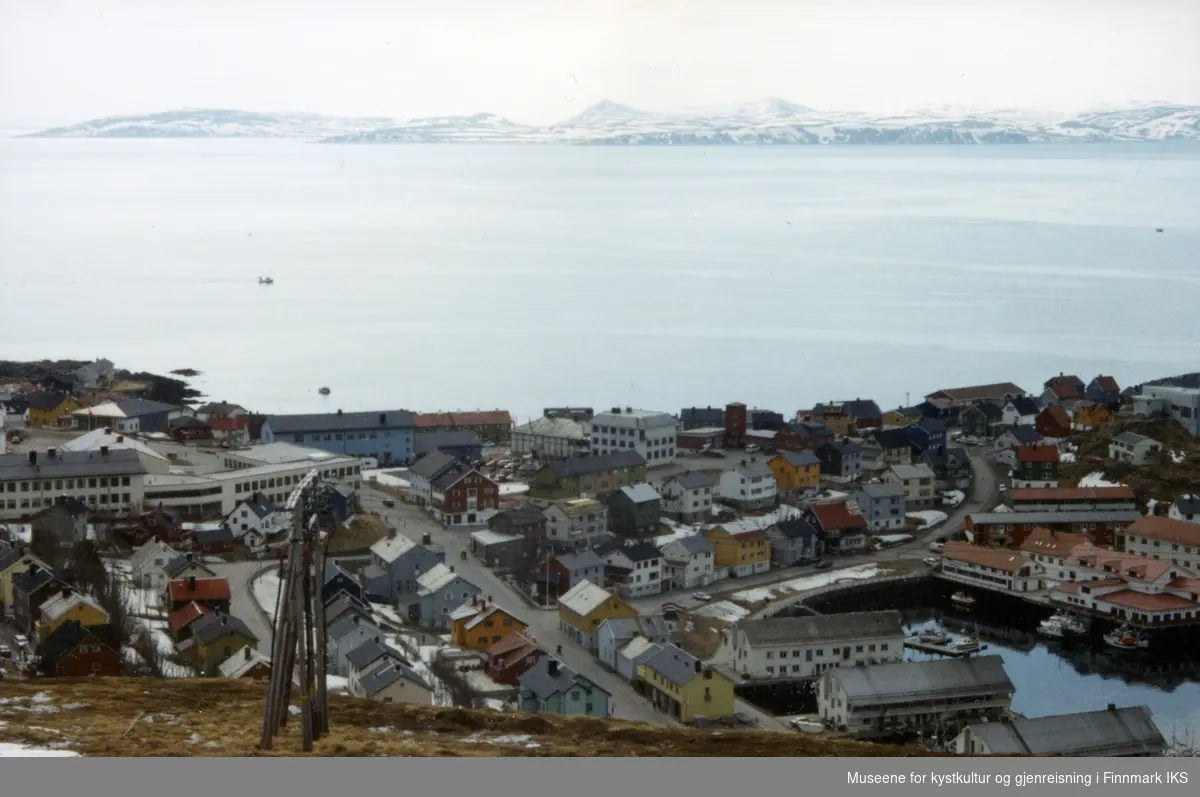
(11, 750)
(929, 517)
(953, 497)
(1096, 479)
(1178, 456)
(722, 610)
(806, 583)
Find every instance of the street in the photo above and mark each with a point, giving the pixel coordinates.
(242, 604)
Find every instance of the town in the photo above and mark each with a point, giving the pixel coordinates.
(680, 568)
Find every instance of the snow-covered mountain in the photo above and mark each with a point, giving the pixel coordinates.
(770, 121)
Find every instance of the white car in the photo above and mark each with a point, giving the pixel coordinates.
(703, 597)
(752, 449)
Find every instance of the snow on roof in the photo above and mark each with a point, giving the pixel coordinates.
(489, 537)
(60, 605)
(390, 549)
(584, 598)
(93, 440)
(242, 662)
(437, 577)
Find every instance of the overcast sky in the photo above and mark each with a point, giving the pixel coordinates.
(67, 60)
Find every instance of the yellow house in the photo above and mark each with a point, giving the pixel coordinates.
(12, 564)
(584, 607)
(742, 553)
(1091, 415)
(682, 687)
(68, 606)
(478, 625)
(215, 637)
(900, 417)
(48, 409)
(795, 471)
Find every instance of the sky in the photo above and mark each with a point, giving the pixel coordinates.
(541, 61)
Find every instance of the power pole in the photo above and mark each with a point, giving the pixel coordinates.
(298, 658)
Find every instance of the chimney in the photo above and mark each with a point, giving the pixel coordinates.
(427, 539)
(120, 438)
(356, 619)
(247, 650)
(699, 666)
(187, 557)
(191, 583)
(104, 451)
(552, 667)
(66, 593)
(50, 453)
(616, 410)
(108, 430)
(383, 419)
(629, 410)
(33, 458)
(224, 619)
(1112, 706)
(339, 412)
(451, 568)
(474, 600)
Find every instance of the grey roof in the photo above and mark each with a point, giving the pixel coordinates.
(136, 407)
(1025, 405)
(696, 544)
(382, 677)
(989, 410)
(641, 552)
(523, 515)
(1110, 732)
(212, 626)
(753, 468)
(1055, 518)
(891, 438)
(800, 459)
(1133, 438)
(959, 454)
(431, 441)
(975, 675)
(186, 421)
(648, 625)
(181, 562)
(433, 464)
(795, 529)
(449, 476)
(45, 400)
(932, 425)
(843, 447)
(823, 627)
(538, 680)
(349, 622)
(703, 416)
(675, 664)
(1026, 433)
(886, 490)
(641, 493)
(859, 409)
(72, 464)
(579, 466)
(693, 480)
(333, 570)
(211, 536)
(260, 505)
(340, 422)
(370, 651)
(341, 605)
(580, 560)
(1188, 505)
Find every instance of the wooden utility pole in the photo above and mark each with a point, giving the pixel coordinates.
(298, 660)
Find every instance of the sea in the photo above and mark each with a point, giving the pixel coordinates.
(458, 277)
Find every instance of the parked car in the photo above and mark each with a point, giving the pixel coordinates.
(824, 564)
(21, 641)
(715, 454)
(752, 449)
(389, 503)
(703, 597)
(5, 652)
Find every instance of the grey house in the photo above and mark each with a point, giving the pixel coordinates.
(841, 460)
(576, 567)
(1111, 732)
(633, 511)
(344, 604)
(396, 564)
(1133, 448)
(365, 658)
(883, 505)
(614, 634)
(350, 631)
(793, 542)
(439, 592)
(551, 687)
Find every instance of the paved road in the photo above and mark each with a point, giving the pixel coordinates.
(242, 604)
(543, 624)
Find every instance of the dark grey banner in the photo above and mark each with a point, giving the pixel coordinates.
(591, 777)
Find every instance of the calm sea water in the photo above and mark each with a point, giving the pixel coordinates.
(457, 277)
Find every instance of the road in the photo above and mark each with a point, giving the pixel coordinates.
(543, 623)
(242, 604)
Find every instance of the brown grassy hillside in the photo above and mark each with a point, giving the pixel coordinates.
(214, 717)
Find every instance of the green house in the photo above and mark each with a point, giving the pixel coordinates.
(596, 475)
(983, 421)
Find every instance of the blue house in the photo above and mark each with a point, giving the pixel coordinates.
(926, 435)
(553, 688)
(461, 444)
(386, 436)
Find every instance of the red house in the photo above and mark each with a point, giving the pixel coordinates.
(212, 542)
(179, 622)
(462, 495)
(210, 592)
(247, 663)
(1053, 422)
(76, 651)
(735, 425)
(508, 659)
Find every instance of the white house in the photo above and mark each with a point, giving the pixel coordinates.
(550, 438)
(257, 521)
(688, 562)
(148, 565)
(1186, 508)
(1133, 448)
(924, 696)
(636, 568)
(804, 647)
(1019, 412)
(688, 497)
(615, 633)
(649, 433)
(1166, 539)
(749, 484)
(574, 519)
(919, 482)
(392, 682)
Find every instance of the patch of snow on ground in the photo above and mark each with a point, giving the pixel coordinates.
(1150, 504)
(513, 488)
(1178, 456)
(266, 592)
(337, 683)
(953, 497)
(806, 583)
(894, 539)
(386, 616)
(9, 750)
(494, 704)
(722, 610)
(1096, 479)
(1002, 508)
(755, 595)
(1067, 456)
(384, 729)
(387, 477)
(928, 517)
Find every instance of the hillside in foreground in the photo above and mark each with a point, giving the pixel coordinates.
(216, 717)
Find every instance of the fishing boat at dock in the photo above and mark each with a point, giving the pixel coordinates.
(962, 600)
(1062, 625)
(1126, 638)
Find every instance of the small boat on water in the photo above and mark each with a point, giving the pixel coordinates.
(266, 281)
(1062, 625)
(967, 644)
(934, 636)
(962, 600)
(1126, 638)
(324, 391)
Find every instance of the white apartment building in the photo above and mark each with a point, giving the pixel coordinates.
(105, 480)
(688, 497)
(649, 433)
(688, 562)
(576, 519)
(749, 484)
(1165, 539)
(919, 482)
(1182, 404)
(804, 647)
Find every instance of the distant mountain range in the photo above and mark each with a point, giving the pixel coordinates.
(770, 121)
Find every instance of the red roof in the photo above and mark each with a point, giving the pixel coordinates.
(1058, 415)
(838, 516)
(1108, 384)
(1165, 528)
(1162, 602)
(186, 616)
(1085, 494)
(206, 589)
(1066, 390)
(1037, 454)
